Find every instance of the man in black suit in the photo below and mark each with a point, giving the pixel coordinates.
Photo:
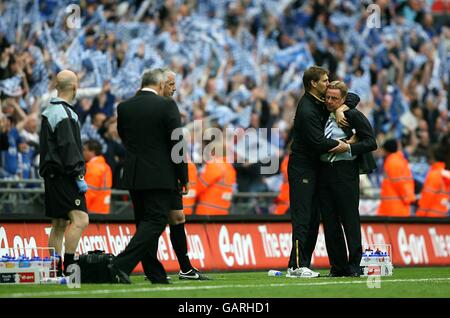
(339, 184)
(145, 124)
(308, 142)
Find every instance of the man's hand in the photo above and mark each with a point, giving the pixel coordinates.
(342, 147)
(184, 188)
(82, 185)
(340, 117)
(353, 139)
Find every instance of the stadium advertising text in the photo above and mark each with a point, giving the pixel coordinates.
(240, 246)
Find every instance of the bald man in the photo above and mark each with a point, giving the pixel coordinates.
(62, 166)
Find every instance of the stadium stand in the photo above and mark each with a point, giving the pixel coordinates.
(239, 65)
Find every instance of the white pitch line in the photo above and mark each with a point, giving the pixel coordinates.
(78, 292)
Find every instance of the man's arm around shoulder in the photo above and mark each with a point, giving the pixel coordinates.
(364, 132)
(308, 120)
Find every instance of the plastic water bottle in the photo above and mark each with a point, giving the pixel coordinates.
(12, 263)
(46, 266)
(36, 262)
(47, 262)
(54, 280)
(3, 261)
(24, 261)
(273, 272)
(54, 260)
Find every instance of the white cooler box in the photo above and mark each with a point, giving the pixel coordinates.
(377, 260)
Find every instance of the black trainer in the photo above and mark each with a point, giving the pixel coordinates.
(355, 271)
(118, 276)
(166, 281)
(193, 274)
(336, 274)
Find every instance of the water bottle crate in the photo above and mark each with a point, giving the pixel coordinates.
(377, 260)
(30, 275)
(28, 266)
(378, 270)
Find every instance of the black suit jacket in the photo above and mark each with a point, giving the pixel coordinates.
(145, 123)
(366, 140)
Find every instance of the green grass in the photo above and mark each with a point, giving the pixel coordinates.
(406, 282)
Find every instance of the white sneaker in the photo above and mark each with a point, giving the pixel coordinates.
(302, 272)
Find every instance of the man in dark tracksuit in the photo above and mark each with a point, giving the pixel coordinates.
(339, 185)
(307, 145)
(62, 166)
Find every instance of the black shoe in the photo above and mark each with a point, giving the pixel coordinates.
(193, 274)
(166, 281)
(353, 274)
(168, 278)
(118, 276)
(355, 271)
(161, 281)
(334, 274)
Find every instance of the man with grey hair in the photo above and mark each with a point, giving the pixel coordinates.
(177, 218)
(145, 124)
(62, 166)
(339, 183)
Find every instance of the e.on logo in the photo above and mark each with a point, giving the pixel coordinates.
(20, 245)
(238, 248)
(412, 247)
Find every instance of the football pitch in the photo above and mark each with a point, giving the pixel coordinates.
(426, 282)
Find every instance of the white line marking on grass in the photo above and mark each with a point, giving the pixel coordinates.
(126, 291)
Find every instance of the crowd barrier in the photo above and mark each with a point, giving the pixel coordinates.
(243, 243)
(26, 196)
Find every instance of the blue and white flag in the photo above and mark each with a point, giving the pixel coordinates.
(39, 73)
(34, 16)
(223, 115)
(12, 86)
(102, 67)
(125, 83)
(9, 19)
(74, 55)
(298, 54)
(52, 48)
(126, 31)
(88, 132)
(244, 117)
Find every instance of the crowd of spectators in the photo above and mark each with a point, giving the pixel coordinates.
(238, 64)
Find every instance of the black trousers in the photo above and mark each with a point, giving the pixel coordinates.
(305, 216)
(339, 204)
(151, 210)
